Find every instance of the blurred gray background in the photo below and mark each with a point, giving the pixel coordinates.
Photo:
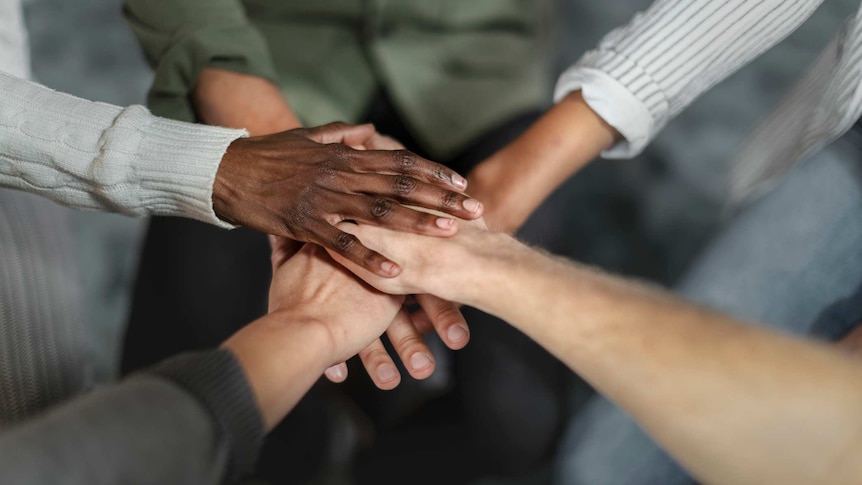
(647, 216)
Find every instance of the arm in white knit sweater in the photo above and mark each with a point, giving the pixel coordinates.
(296, 184)
(97, 156)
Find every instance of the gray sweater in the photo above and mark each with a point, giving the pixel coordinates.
(190, 420)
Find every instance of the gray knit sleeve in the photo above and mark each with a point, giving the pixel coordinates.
(192, 419)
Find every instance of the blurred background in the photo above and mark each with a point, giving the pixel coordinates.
(646, 217)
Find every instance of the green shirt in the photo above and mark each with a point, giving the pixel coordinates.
(454, 68)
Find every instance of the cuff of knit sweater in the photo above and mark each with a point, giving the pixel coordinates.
(178, 172)
(216, 379)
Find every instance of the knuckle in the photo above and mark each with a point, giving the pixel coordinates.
(372, 259)
(381, 208)
(340, 153)
(407, 342)
(327, 169)
(448, 315)
(297, 219)
(404, 185)
(424, 221)
(345, 242)
(449, 199)
(376, 355)
(405, 160)
(441, 174)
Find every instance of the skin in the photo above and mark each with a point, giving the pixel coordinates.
(513, 182)
(734, 403)
(299, 183)
(312, 324)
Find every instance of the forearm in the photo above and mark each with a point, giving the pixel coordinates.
(283, 355)
(234, 100)
(517, 179)
(733, 402)
(643, 74)
(182, 38)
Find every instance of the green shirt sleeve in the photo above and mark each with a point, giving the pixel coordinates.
(182, 37)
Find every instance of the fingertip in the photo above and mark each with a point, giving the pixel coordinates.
(337, 373)
(388, 377)
(422, 365)
(459, 182)
(389, 269)
(457, 336)
(474, 207)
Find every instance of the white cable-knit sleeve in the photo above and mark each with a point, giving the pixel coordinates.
(96, 156)
(643, 74)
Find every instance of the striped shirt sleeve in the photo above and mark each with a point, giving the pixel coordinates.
(643, 74)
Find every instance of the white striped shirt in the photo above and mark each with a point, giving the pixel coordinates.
(643, 74)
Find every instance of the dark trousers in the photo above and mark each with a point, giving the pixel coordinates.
(197, 285)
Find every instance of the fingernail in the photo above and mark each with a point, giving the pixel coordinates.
(472, 205)
(389, 267)
(456, 333)
(459, 181)
(335, 373)
(420, 362)
(386, 373)
(444, 223)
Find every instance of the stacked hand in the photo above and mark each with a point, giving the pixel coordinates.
(301, 183)
(402, 330)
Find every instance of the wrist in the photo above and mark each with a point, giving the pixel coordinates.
(517, 179)
(224, 190)
(487, 270)
(282, 354)
(494, 182)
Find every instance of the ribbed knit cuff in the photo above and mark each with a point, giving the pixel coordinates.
(216, 379)
(177, 167)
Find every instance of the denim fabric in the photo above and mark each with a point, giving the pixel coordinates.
(790, 260)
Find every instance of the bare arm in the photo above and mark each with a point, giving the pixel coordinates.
(516, 180)
(235, 100)
(734, 403)
(637, 79)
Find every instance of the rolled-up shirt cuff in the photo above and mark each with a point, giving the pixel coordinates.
(240, 49)
(612, 101)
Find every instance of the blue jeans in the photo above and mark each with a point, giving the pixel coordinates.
(792, 261)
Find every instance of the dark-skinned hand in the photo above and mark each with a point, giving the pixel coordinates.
(301, 183)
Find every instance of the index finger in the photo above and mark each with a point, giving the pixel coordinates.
(405, 162)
